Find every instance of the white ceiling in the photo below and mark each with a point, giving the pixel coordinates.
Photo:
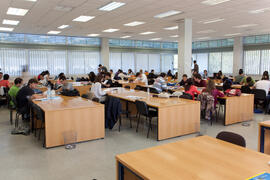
(43, 17)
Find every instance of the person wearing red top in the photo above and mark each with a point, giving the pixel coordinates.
(198, 81)
(211, 89)
(5, 82)
(191, 89)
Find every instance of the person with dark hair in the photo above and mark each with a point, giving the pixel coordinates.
(97, 91)
(26, 93)
(265, 75)
(18, 82)
(160, 83)
(60, 83)
(196, 66)
(205, 74)
(130, 72)
(175, 76)
(5, 81)
(247, 81)
(240, 77)
(1, 76)
(112, 74)
(140, 78)
(190, 88)
(108, 81)
(198, 81)
(92, 77)
(265, 85)
(220, 75)
(184, 80)
(227, 84)
(152, 74)
(211, 89)
(169, 73)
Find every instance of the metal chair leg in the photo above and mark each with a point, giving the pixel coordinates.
(120, 123)
(40, 130)
(138, 122)
(11, 117)
(149, 127)
(130, 122)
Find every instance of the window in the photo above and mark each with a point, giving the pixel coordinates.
(142, 62)
(38, 61)
(128, 62)
(214, 62)
(167, 61)
(92, 60)
(252, 62)
(227, 62)
(115, 61)
(265, 61)
(202, 61)
(175, 62)
(57, 62)
(154, 62)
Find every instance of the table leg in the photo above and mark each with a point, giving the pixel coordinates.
(262, 139)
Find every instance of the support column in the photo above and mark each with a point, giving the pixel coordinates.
(237, 55)
(184, 48)
(105, 52)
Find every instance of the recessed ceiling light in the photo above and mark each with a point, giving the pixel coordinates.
(259, 11)
(111, 30)
(124, 37)
(171, 28)
(245, 25)
(135, 23)
(155, 39)
(6, 29)
(146, 33)
(54, 32)
(174, 36)
(233, 34)
(63, 26)
(167, 14)
(212, 20)
(83, 18)
(17, 11)
(63, 8)
(203, 38)
(93, 35)
(206, 31)
(10, 22)
(111, 6)
(214, 2)
(31, 0)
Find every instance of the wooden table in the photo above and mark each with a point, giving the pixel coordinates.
(132, 85)
(83, 89)
(264, 137)
(200, 158)
(84, 117)
(176, 117)
(238, 108)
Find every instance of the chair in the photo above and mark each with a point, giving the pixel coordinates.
(10, 107)
(245, 89)
(39, 114)
(186, 96)
(153, 90)
(143, 109)
(127, 87)
(259, 98)
(138, 87)
(232, 138)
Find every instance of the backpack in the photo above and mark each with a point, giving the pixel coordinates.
(233, 92)
(73, 92)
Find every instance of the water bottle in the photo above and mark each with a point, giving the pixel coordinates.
(148, 91)
(49, 92)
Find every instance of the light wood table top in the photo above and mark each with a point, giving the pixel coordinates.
(196, 159)
(242, 95)
(130, 95)
(66, 102)
(265, 123)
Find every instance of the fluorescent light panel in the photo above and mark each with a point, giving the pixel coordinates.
(54, 32)
(63, 26)
(214, 2)
(93, 35)
(10, 22)
(83, 18)
(111, 6)
(171, 28)
(233, 34)
(111, 30)
(124, 37)
(259, 11)
(203, 38)
(155, 39)
(6, 29)
(31, 0)
(174, 36)
(206, 31)
(212, 20)
(134, 23)
(167, 14)
(245, 25)
(17, 11)
(146, 33)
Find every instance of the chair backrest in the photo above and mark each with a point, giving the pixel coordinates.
(95, 99)
(144, 89)
(127, 87)
(38, 111)
(138, 87)
(142, 107)
(186, 96)
(232, 138)
(153, 90)
(259, 94)
(245, 89)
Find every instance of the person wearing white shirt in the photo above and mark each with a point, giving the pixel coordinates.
(97, 91)
(141, 78)
(263, 84)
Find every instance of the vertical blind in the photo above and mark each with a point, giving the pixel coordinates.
(12, 61)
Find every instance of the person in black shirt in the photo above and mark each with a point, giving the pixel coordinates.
(26, 93)
(152, 74)
(108, 81)
(184, 80)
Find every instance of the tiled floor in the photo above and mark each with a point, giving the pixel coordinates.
(22, 157)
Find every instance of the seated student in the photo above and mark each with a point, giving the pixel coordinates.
(143, 74)
(130, 72)
(220, 75)
(169, 73)
(240, 77)
(198, 81)
(97, 91)
(5, 81)
(247, 81)
(112, 74)
(190, 88)
(92, 76)
(25, 93)
(1, 76)
(184, 80)
(160, 83)
(18, 82)
(152, 74)
(108, 81)
(60, 75)
(205, 74)
(227, 83)
(211, 89)
(265, 85)
(146, 73)
(60, 83)
(141, 78)
(265, 75)
(122, 75)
